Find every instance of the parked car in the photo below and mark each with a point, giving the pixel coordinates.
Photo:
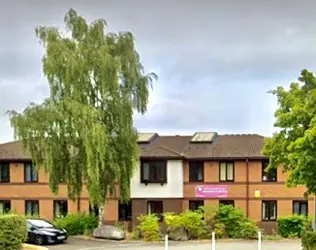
(43, 232)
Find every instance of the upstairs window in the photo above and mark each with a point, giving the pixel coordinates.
(227, 203)
(30, 173)
(268, 176)
(300, 207)
(5, 207)
(269, 210)
(153, 172)
(196, 171)
(195, 204)
(32, 207)
(125, 211)
(4, 172)
(60, 208)
(226, 171)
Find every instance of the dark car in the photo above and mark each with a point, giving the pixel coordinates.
(42, 232)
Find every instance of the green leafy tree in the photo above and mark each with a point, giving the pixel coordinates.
(293, 147)
(83, 133)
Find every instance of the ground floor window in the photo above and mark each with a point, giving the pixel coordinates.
(195, 204)
(94, 210)
(269, 210)
(125, 211)
(300, 207)
(32, 207)
(60, 208)
(227, 202)
(5, 207)
(155, 207)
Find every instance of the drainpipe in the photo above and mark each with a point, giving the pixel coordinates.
(314, 224)
(247, 188)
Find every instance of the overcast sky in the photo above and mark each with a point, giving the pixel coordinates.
(216, 60)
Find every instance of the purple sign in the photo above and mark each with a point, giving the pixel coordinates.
(211, 191)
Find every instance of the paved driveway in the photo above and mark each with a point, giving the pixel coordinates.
(78, 244)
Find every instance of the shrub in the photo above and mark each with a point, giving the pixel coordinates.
(77, 224)
(13, 231)
(192, 221)
(309, 240)
(148, 227)
(292, 226)
(248, 230)
(231, 218)
(236, 224)
(219, 229)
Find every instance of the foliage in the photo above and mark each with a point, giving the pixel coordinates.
(210, 213)
(136, 235)
(77, 224)
(84, 131)
(219, 229)
(32, 216)
(230, 217)
(121, 225)
(148, 228)
(248, 230)
(192, 221)
(309, 240)
(13, 231)
(293, 147)
(226, 221)
(235, 223)
(292, 226)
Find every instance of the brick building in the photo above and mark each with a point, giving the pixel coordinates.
(176, 173)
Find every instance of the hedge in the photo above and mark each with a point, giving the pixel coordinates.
(13, 231)
(292, 226)
(309, 240)
(77, 223)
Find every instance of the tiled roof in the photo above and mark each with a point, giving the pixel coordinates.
(224, 146)
(13, 151)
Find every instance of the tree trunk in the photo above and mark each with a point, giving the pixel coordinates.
(101, 215)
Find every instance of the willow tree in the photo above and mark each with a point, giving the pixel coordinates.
(83, 133)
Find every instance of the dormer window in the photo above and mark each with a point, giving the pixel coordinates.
(154, 171)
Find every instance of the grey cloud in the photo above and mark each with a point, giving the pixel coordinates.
(216, 59)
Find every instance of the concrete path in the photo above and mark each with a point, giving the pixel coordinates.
(78, 244)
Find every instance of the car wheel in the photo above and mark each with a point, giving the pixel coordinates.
(39, 240)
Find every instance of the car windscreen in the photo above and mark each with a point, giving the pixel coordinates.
(40, 223)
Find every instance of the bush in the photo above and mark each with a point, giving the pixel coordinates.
(77, 224)
(148, 228)
(235, 223)
(292, 226)
(248, 230)
(13, 231)
(192, 221)
(309, 240)
(219, 229)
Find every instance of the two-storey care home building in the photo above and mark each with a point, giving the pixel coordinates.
(175, 173)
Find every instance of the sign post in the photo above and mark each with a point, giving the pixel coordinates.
(213, 241)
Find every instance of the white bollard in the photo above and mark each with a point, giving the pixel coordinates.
(259, 240)
(213, 241)
(166, 242)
